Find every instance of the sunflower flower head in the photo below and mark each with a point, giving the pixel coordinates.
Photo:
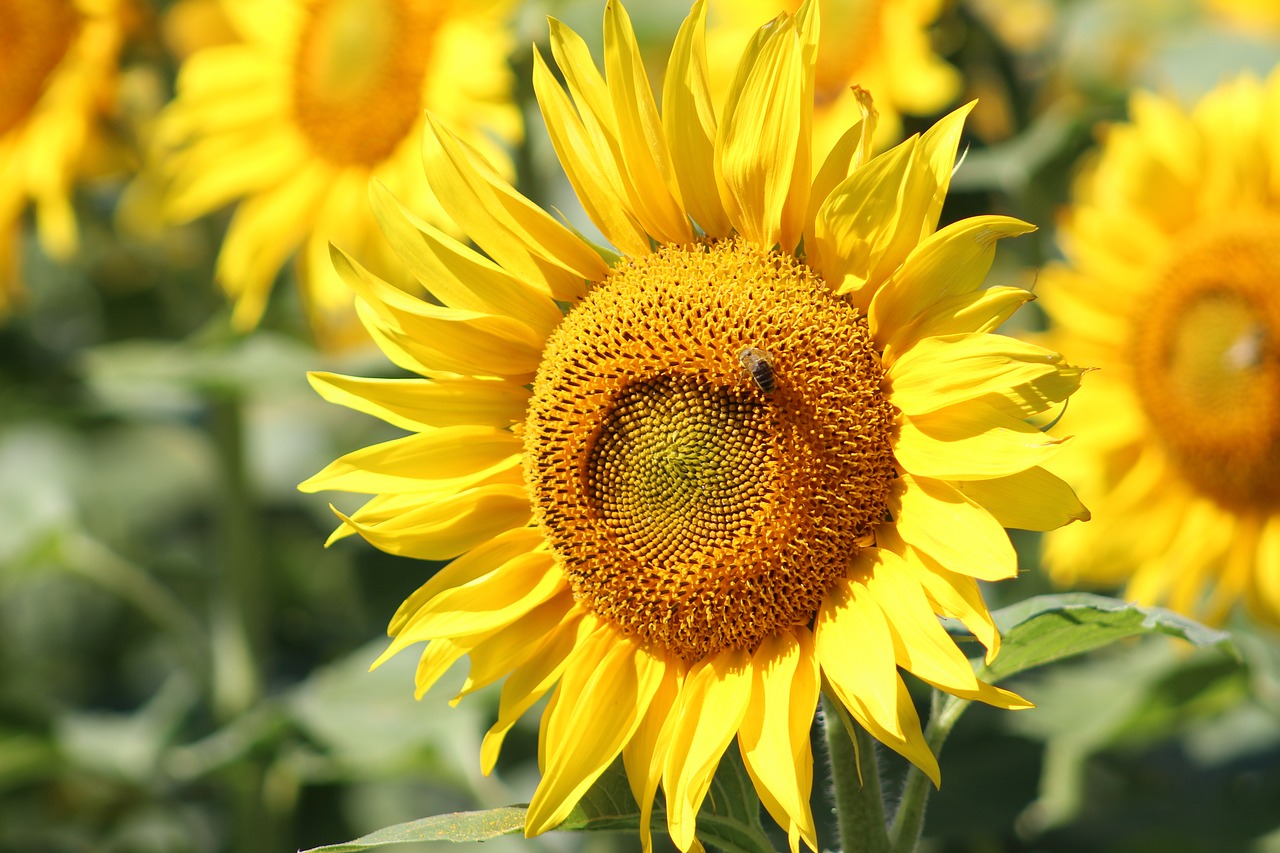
(761, 448)
(58, 61)
(1173, 254)
(293, 119)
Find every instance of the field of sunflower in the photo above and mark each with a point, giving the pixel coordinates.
(593, 427)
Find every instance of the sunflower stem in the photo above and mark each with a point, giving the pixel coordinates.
(908, 822)
(238, 627)
(855, 774)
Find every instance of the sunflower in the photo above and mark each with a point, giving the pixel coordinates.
(1254, 16)
(761, 446)
(58, 61)
(1173, 255)
(881, 46)
(293, 121)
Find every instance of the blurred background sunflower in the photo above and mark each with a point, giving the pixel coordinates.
(1173, 254)
(184, 666)
(59, 68)
(311, 101)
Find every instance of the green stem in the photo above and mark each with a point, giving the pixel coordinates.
(908, 823)
(238, 625)
(855, 776)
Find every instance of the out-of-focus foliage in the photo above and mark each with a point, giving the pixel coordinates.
(183, 665)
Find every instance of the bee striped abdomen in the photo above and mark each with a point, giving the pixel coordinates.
(759, 366)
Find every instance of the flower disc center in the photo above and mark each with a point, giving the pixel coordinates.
(358, 76)
(1207, 361)
(681, 468)
(34, 39)
(691, 504)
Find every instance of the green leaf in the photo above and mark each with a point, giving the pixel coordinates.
(729, 820)
(460, 826)
(1048, 628)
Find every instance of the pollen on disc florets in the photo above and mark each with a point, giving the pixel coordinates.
(1206, 360)
(689, 506)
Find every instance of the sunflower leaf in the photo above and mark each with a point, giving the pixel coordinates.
(728, 821)
(459, 826)
(1048, 628)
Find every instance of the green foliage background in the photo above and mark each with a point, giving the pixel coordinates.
(183, 665)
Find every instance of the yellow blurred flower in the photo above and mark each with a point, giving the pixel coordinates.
(1170, 287)
(319, 97)
(191, 25)
(58, 63)
(1251, 14)
(882, 46)
(763, 448)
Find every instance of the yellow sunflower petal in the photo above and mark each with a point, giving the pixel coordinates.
(480, 560)
(418, 404)
(444, 338)
(1028, 500)
(919, 641)
(486, 604)
(436, 659)
(453, 273)
(1179, 574)
(775, 731)
(509, 648)
(530, 682)
(758, 139)
(512, 230)
(1264, 587)
(1231, 583)
(215, 173)
(601, 701)
(795, 210)
(859, 221)
(595, 179)
(443, 529)
(698, 738)
(938, 147)
(941, 371)
(936, 518)
(868, 684)
(839, 163)
(402, 464)
(849, 619)
(263, 232)
(979, 312)
(392, 508)
(970, 441)
(640, 134)
(645, 755)
(951, 262)
(689, 123)
(952, 595)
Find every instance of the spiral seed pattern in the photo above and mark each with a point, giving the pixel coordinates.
(687, 505)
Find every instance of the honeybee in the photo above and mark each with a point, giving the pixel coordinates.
(758, 364)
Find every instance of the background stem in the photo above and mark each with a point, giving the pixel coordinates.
(855, 776)
(908, 822)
